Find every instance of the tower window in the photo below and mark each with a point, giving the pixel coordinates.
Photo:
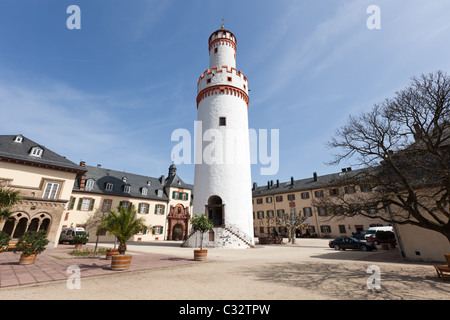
(222, 121)
(215, 50)
(229, 79)
(208, 80)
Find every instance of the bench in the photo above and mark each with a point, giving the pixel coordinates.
(443, 272)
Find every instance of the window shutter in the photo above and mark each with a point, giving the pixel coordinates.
(80, 202)
(91, 205)
(146, 209)
(163, 207)
(139, 208)
(72, 203)
(156, 209)
(161, 230)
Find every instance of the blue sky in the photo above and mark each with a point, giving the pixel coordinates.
(113, 92)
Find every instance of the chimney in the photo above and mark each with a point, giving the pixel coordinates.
(344, 170)
(278, 183)
(268, 184)
(292, 181)
(315, 176)
(99, 165)
(349, 169)
(254, 186)
(161, 179)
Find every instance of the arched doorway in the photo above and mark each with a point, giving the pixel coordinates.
(21, 227)
(20, 222)
(215, 209)
(177, 232)
(44, 225)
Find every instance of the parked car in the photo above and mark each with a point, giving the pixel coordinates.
(373, 238)
(373, 230)
(351, 243)
(360, 235)
(67, 234)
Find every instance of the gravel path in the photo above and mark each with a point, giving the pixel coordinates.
(307, 270)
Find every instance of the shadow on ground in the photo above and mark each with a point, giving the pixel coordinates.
(349, 281)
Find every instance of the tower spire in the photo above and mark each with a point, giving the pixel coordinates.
(223, 26)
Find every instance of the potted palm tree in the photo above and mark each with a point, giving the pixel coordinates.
(202, 224)
(123, 224)
(31, 244)
(8, 198)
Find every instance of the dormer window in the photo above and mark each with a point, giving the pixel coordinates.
(144, 191)
(124, 179)
(127, 189)
(36, 152)
(159, 193)
(109, 186)
(90, 184)
(18, 139)
(149, 183)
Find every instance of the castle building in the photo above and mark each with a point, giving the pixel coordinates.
(296, 198)
(163, 203)
(45, 181)
(222, 180)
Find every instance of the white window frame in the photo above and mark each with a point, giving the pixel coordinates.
(90, 184)
(36, 152)
(109, 186)
(51, 190)
(143, 207)
(85, 204)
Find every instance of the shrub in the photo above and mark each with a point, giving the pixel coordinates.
(32, 242)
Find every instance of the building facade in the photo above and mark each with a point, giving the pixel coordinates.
(222, 167)
(297, 197)
(45, 181)
(163, 203)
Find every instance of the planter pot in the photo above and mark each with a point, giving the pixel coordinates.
(111, 252)
(27, 259)
(200, 255)
(447, 258)
(121, 262)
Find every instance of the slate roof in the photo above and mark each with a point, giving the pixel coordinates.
(102, 176)
(300, 185)
(9, 149)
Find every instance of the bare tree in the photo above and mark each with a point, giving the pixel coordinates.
(402, 147)
(291, 222)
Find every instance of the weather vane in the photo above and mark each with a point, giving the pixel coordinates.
(223, 27)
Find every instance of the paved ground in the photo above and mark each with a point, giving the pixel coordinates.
(163, 270)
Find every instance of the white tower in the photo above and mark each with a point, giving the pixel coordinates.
(222, 182)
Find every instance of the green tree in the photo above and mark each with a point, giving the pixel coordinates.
(123, 224)
(201, 224)
(32, 242)
(8, 198)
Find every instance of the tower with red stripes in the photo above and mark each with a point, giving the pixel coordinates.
(222, 181)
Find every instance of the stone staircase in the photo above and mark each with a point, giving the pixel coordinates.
(233, 230)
